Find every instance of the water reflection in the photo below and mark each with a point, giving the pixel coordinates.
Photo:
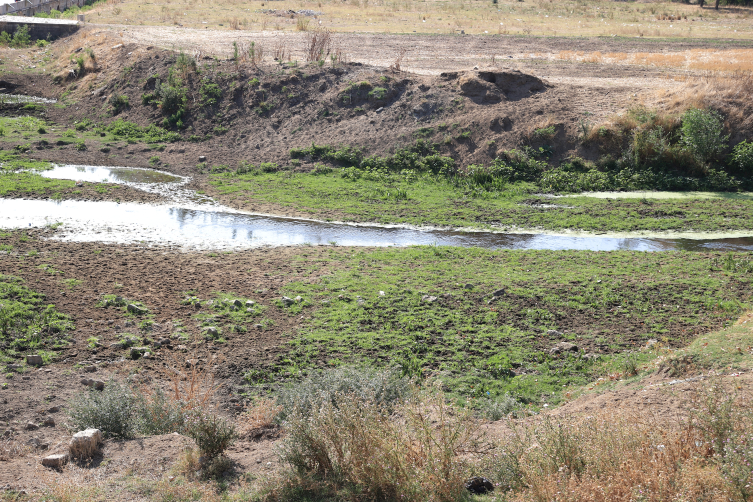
(122, 175)
(215, 228)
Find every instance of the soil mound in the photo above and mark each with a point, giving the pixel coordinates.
(495, 86)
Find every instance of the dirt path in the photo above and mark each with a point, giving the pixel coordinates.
(433, 54)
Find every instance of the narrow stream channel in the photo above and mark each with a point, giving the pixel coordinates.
(195, 222)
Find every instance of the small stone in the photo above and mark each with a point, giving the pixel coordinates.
(250, 303)
(202, 158)
(49, 422)
(34, 360)
(212, 332)
(554, 332)
(298, 299)
(379, 110)
(258, 326)
(258, 461)
(55, 461)
(87, 382)
(135, 309)
(381, 293)
(31, 426)
(499, 292)
(429, 298)
(479, 485)
(287, 301)
(128, 324)
(563, 347)
(468, 286)
(54, 409)
(238, 303)
(90, 369)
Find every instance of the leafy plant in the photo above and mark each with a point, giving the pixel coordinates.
(110, 410)
(702, 133)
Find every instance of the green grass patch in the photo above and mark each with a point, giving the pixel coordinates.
(27, 324)
(227, 313)
(424, 199)
(12, 162)
(431, 312)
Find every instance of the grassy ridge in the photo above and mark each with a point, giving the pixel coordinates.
(608, 304)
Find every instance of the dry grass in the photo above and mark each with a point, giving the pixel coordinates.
(190, 381)
(537, 17)
(261, 415)
(318, 44)
(10, 449)
(418, 453)
(712, 60)
(611, 459)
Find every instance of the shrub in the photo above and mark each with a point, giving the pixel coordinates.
(320, 169)
(385, 388)
(210, 92)
(358, 447)
(155, 413)
(495, 409)
(119, 103)
(212, 434)
(377, 93)
(110, 410)
(702, 133)
(742, 157)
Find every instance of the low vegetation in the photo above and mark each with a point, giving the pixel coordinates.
(438, 318)
(27, 324)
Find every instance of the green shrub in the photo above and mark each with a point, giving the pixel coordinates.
(80, 145)
(119, 103)
(742, 157)
(702, 133)
(320, 169)
(157, 414)
(212, 434)
(495, 409)
(110, 410)
(385, 388)
(268, 167)
(20, 38)
(377, 93)
(210, 93)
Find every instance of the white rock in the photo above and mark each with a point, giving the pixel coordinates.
(55, 461)
(85, 444)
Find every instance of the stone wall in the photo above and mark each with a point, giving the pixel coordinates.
(39, 28)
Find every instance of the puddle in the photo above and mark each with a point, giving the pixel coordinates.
(667, 195)
(20, 98)
(217, 228)
(194, 221)
(168, 185)
(120, 175)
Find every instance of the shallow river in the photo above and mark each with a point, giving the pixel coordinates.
(194, 221)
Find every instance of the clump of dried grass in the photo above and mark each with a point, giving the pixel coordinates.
(318, 44)
(260, 415)
(614, 458)
(419, 452)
